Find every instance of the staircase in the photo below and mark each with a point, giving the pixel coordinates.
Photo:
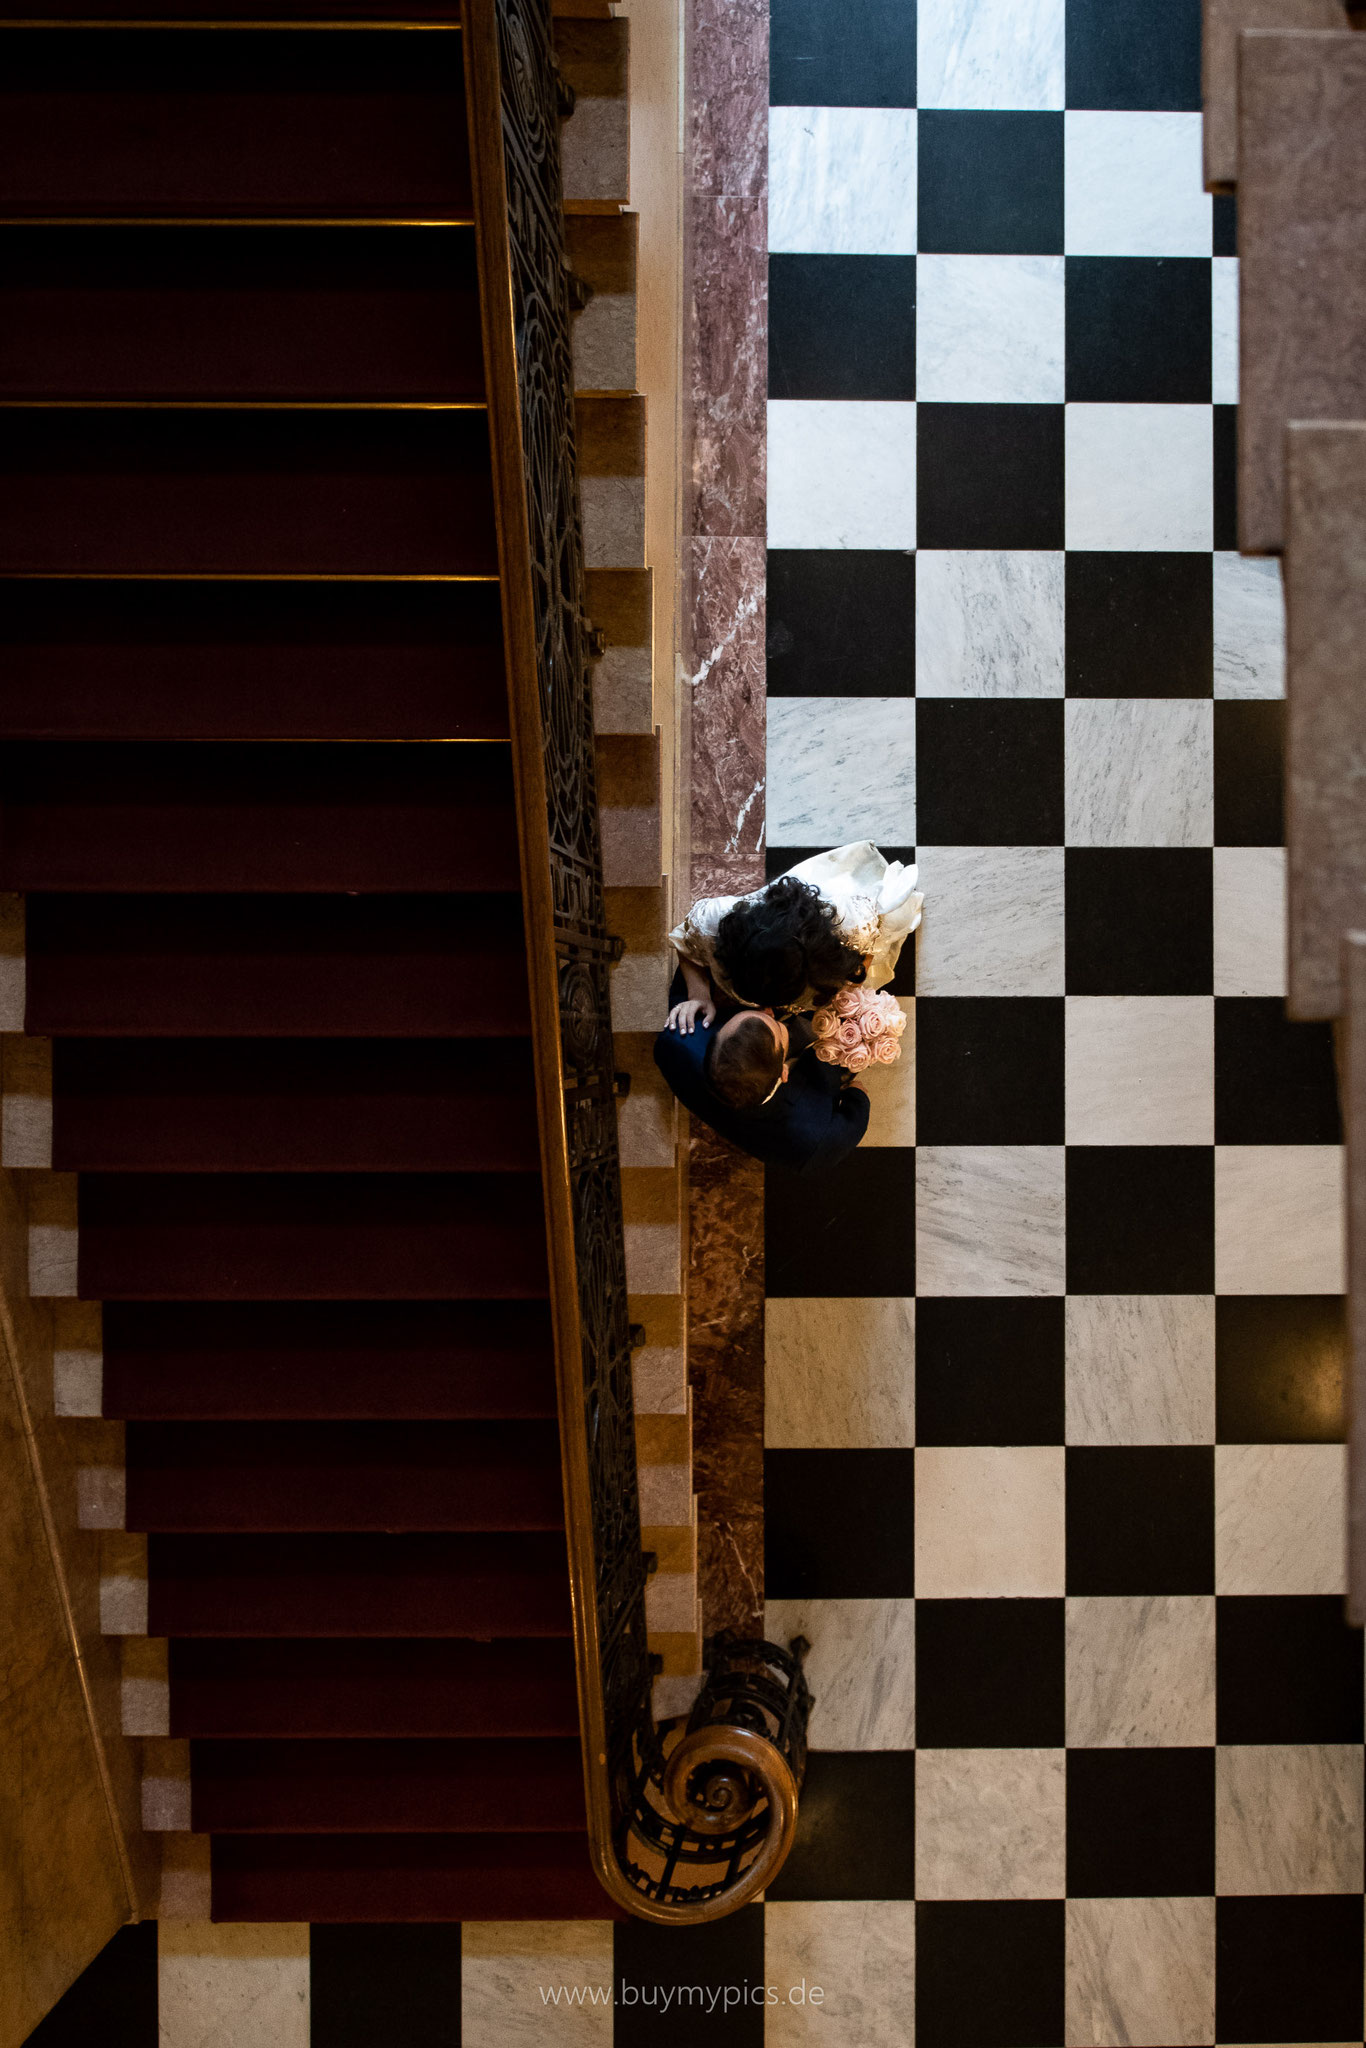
(257, 794)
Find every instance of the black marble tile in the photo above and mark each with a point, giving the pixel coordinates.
(989, 772)
(1140, 625)
(847, 1232)
(1138, 330)
(989, 1973)
(1225, 224)
(841, 622)
(383, 1983)
(1288, 1669)
(839, 1525)
(841, 326)
(814, 61)
(1140, 1219)
(989, 1070)
(990, 1674)
(1140, 1520)
(1126, 57)
(1249, 773)
(1140, 921)
(990, 476)
(855, 1828)
(1140, 1823)
(113, 2003)
(1280, 1368)
(1275, 1082)
(725, 1958)
(1225, 477)
(989, 1371)
(991, 184)
(1288, 1969)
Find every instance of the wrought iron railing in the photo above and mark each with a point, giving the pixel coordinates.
(685, 1822)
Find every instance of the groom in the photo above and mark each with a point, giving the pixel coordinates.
(755, 1080)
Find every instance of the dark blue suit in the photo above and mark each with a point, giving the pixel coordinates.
(812, 1123)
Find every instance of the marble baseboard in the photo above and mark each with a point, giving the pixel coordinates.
(726, 1372)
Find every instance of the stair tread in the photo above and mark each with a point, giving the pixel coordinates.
(282, 1105)
(282, 816)
(265, 1476)
(371, 1687)
(310, 1236)
(406, 1877)
(483, 1586)
(133, 660)
(311, 1360)
(419, 1786)
(281, 966)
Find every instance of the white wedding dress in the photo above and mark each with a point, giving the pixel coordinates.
(875, 901)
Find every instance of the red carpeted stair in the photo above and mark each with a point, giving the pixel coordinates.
(274, 931)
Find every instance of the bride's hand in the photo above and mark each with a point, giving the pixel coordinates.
(683, 1016)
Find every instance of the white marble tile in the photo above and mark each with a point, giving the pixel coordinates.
(1134, 185)
(506, 1966)
(1140, 1070)
(1249, 627)
(1224, 330)
(861, 1668)
(991, 53)
(1140, 1671)
(860, 1953)
(1278, 1219)
(1140, 1970)
(842, 180)
(990, 329)
(989, 1522)
(1249, 920)
(989, 1823)
(1288, 1818)
(1139, 771)
(1140, 477)
(990, 1219)
(840, 769)
(1280, 1518)
(891, 1090)
(989, 623)
(232, 1985)
(1140, 1368)
(839, 1375)
(841, 473)
(993, 923)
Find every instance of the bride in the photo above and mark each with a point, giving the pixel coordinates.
(838, 918)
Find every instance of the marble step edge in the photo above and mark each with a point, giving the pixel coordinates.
(594, 56)
(1224, 21)
(602, 252)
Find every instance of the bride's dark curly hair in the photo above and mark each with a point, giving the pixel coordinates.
(773, 947)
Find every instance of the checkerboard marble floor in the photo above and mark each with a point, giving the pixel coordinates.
(1054, 1477)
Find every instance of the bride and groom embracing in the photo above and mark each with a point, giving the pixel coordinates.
(775, 1010)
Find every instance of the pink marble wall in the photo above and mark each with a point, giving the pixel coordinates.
(725, 368)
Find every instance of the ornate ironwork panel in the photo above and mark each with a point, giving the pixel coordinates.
(540, 305)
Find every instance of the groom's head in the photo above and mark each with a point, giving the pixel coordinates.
(746, 1060)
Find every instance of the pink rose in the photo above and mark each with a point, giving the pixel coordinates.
(886, 1049)
(857, 1058)
(849, 1034)
(874, 1022)
(824, 1022)
(829, 1053)
(898, 1023)
(847, 1002)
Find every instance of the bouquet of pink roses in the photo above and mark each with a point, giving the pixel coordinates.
(860, 1028)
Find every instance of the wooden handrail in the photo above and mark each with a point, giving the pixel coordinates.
(683, 1825)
